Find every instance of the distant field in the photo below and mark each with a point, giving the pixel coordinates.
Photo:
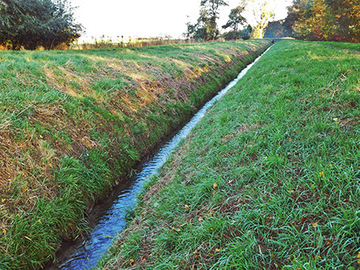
(72, 123)
(126, 43)
(270, 179)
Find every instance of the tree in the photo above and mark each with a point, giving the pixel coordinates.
(211, 8)
(346, 19)
(258, 14)
(263, 14)
(298, 15)
(34, 23)
(297, 11)
(320, 21)
(206, 26)
(326, 19)
(235, 19)
(199, 30)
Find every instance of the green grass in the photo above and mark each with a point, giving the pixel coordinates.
(268, 180)
(73, 123)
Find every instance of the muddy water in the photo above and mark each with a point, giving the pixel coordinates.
(110, 218)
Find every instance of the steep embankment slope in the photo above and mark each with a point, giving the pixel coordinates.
(72, 123)
(269, 179)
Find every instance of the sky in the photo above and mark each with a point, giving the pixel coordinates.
(146, 18)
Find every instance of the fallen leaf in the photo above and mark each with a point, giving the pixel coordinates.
(303, 219)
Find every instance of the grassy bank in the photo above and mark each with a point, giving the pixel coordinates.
(270, 177)
(72, 123)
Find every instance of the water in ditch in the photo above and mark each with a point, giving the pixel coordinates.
(111, 222)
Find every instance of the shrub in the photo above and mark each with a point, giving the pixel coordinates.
(34, 23)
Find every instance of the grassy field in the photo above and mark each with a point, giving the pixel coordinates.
(72, 123)
(270, 179)
(127, 43)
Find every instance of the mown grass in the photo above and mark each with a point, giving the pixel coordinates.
(268, 180)
(72, 123)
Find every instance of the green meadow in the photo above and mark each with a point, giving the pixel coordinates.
(73, 123)
(269, 179)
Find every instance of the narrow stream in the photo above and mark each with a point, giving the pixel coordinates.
(113, 221)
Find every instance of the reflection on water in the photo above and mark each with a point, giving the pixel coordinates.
(113, 221)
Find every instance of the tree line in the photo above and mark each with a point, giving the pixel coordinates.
(337, 20)
(248, 19)
(33, 23)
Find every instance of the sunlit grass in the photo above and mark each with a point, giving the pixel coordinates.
(74, 122)
(269, 179)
